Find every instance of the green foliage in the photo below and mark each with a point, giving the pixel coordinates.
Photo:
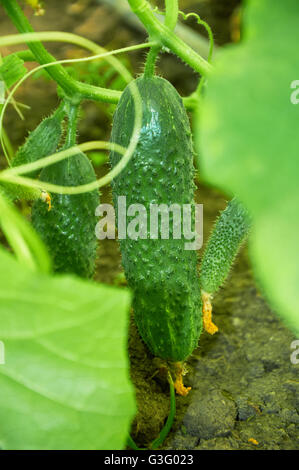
(64, 384)
(230, 231)
(12, 69)
(27, 246)
(162, 273)
(248, 140)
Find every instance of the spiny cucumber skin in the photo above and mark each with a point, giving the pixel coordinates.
(223, 245)
(16, 192)
(40, 143)
(162, 274)
(68, 229)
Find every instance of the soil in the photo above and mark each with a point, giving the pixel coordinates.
(245, 390)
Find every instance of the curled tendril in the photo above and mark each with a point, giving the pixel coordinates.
(207, 27)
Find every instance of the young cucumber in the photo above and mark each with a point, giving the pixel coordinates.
(230, 231)
(162, 273)
(68, 229)
(40, 143)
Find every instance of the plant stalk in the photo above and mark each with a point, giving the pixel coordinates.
(167, 38)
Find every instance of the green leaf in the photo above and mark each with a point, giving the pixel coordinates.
(12, 69)
(65, 382)
(26, 244)
(248, 141)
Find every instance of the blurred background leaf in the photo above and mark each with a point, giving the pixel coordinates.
(248, 143)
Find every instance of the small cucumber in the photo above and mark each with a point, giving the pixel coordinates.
(229, 233)
(41, 142)
(162, 274)
(13, 192)
(68, 229)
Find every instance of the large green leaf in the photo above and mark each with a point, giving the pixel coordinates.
(64, 384)
(248, 142)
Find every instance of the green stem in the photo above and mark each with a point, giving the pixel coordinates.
(168, 425)
(132, 444)
(172, 13)
(8, 144)
(151, 59)
(60, 111)
(71, 133)
(171, 17)
(160, 32)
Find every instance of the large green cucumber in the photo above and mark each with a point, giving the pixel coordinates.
(162, 273)
(68, 229)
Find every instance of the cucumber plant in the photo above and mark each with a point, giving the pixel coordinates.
(151, 155)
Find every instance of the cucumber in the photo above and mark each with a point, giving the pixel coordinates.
(41, 142)
(161, 273)
(14, 192)
(230, 231)
(68, 229)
